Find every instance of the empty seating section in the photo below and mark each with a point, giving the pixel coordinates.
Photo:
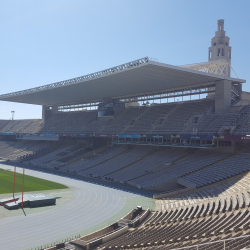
(5, 144)
(177, 121)
(219, 121)
(79, 120)
(3, 123)
(146, 120)
(50, 160)
(32, 127)
(217, 212)
(212, 123)
(147, 164)
(219, 207)
(119, 162)
(94, 159)
(140, 166)
(181, 117)
(243, 126)
(54, 123)
(124, 119)
(18, 126)
(226, 192)
(192, 162)
(15, 150)
(95, 126)
(232, 166)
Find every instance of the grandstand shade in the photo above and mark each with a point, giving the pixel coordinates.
(137, 79)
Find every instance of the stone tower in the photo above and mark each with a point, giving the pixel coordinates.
(220, 48)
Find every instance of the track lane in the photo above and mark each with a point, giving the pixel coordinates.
(90, 205)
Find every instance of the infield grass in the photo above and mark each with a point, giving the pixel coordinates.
(30, 183)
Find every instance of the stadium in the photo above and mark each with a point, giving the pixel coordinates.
(155, 156)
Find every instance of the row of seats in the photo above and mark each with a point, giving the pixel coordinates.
(170, 234)
(180, 117)
(237, 186)
(191, 163)
(16, 150)
(20, 126)
(145, 166)
(217, 212)
(222, 170)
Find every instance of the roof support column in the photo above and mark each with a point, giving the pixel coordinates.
(222, 96)
(43, 112)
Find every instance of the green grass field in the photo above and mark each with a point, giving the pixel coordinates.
(30, 183)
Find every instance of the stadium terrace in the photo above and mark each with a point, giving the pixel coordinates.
(137, 127)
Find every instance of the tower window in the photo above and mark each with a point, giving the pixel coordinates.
(210, 54)
(226, 44)
(222, 52)
(219, 52)
(229, 53)
(214, 44)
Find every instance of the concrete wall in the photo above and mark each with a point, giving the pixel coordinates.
(115, 234)
(43, 113)
(177, 192)
(227, 150)
(97, 233)
(189, 187)
(165, 186)
(141, 218)
(245, 95)
(222, 96)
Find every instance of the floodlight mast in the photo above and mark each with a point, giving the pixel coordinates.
(13, 112)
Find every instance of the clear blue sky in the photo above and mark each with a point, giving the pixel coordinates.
(45, 41)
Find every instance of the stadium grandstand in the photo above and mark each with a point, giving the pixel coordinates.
(181, 132)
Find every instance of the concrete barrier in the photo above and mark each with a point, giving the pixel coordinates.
(141, 218)
(189, 187)
(115, 234)
(144, 215)
(177, 192)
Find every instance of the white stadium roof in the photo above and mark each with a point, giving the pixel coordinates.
(135, 78)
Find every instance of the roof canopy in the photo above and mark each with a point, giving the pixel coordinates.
(138, 77)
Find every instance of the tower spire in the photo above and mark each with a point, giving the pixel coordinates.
(220, 48)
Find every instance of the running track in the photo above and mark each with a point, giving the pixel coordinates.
(90, 205)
